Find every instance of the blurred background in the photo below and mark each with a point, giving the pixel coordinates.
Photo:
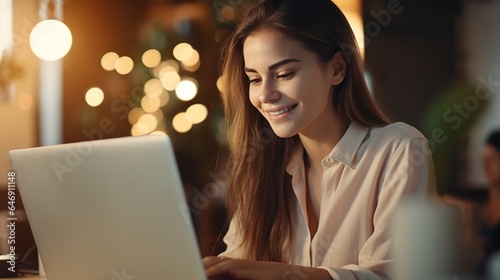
(151, 66)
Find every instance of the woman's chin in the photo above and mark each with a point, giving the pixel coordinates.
(282, 133)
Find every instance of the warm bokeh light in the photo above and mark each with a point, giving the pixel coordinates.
(153, 87)
(124, 65)
(25, 101)
(150, 103)
(227, 13)
(193, 59)
(164, 98)
(219, 83)
(158, 115)
(181, 123)
(193, 68)
(356, 22)
(139, 129)
(150, 122)
(186, 89)
(170, 80)
(50, 39)
(94, 96)
(167, 69)
(151, 58)
(135, 114)
(166, 66)
(108, 61)
(354, 13)
(193, 63)
(197, 113)
(183, 51)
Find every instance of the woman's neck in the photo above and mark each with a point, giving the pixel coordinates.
(319, 144)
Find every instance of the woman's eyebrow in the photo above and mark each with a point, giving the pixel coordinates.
(275, 65)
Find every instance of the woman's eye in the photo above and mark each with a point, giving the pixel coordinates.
(285, 76)
(254, 80)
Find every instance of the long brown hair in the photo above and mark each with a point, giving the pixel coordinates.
(259, 189)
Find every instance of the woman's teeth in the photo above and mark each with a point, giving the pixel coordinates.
(275, 113)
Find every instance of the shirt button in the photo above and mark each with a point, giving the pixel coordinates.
(327, 162)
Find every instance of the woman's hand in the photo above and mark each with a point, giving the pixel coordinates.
(223, 268)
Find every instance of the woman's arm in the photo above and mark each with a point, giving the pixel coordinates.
(228, 268)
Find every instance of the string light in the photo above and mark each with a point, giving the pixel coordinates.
(153, 87)
(186, 89)
(181, 123)
(135, 114)
(50, 40)
(94, 97)
(124, 65)
(151, 58)
(150, 103)
(170, 80)
(108, 61)
(196, 113)
(183, 51)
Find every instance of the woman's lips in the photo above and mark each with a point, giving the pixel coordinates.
(281, 111)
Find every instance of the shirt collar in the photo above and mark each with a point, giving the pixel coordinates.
(345, 150)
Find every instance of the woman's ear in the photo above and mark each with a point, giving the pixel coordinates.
(337, 67)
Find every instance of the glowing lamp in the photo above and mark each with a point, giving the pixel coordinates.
(353, 11)
(50, 40)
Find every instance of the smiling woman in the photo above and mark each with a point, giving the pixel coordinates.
(317, 199)
(291, 87)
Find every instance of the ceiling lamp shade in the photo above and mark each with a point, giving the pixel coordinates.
(50, 40)
(352, 10)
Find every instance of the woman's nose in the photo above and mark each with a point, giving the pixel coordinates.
(269, 93)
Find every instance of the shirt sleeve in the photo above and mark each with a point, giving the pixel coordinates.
(233, 241)
(410, 173)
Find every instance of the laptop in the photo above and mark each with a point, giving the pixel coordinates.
(110, 209)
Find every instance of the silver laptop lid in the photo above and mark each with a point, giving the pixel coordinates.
(108, 209)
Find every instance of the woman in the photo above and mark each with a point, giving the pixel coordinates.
(313, 198)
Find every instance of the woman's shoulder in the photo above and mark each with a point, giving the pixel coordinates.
(394, 136)
(398, 131)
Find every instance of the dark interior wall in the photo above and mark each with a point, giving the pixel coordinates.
(413, 56)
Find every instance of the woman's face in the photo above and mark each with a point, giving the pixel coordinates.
(288, 84)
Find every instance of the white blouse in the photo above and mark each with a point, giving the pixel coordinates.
(367, 174)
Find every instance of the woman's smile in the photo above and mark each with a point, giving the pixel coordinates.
(280, 113)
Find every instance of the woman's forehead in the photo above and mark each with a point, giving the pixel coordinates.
(269, 47)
